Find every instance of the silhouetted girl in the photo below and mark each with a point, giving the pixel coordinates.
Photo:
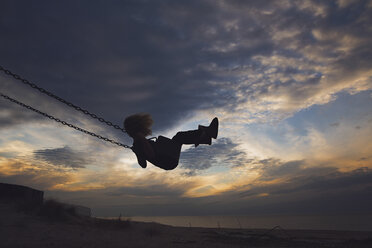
(164, 152)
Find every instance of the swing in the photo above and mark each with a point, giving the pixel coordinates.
(34, 86)
(167, 151)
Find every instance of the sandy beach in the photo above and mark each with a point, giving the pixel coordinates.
(20, 229)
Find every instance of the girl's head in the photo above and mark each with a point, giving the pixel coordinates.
(138, 124)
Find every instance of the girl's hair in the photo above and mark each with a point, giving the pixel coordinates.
(138, 123)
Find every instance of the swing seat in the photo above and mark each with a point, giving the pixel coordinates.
(167, 153)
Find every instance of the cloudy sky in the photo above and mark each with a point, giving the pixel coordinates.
(291, 82)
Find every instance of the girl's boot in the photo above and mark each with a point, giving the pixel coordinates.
(212, 129)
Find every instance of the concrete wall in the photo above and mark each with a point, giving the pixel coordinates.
(19, 193)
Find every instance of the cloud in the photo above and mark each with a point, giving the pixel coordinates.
(39, 176)
(223, 152)
(273, 59)
(316, 191)
(11, 115)
(313, 182)
(64, 156)
(35, 181)
(309, 71)
(154, 190)
(272, 168)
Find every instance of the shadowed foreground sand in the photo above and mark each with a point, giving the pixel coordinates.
(18, 229)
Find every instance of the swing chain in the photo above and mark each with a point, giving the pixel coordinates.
(64, 122)
(44, 91)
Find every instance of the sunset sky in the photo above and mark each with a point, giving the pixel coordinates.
(290, 81)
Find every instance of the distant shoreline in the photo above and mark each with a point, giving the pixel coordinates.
(296, 222)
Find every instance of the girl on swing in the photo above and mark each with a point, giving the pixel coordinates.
(164, 152)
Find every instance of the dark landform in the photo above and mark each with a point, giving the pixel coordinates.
(55, 224)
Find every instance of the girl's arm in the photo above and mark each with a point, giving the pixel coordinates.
(143, 151)
(141, 160)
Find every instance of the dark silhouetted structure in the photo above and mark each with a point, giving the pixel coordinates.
(18, 193)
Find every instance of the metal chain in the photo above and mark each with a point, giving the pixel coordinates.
(34, 86)
(64, 122)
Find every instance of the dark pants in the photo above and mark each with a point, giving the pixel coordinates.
(168, 150)
(187, 137)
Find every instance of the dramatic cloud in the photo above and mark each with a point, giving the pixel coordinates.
(64, 156)
(319, 191)
(12, 114)
(223, 152)
(33, 175)
(159, 190)
(273, 168)
(317, 184)
(273, 59)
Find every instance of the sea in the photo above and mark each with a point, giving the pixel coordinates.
(304, 222)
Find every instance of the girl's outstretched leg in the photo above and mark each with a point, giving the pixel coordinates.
(193, 137)
(203, 135)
